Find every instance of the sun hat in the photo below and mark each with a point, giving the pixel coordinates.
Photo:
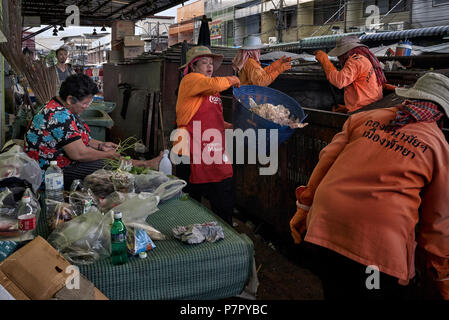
(344, 44)
(431, 86)
(202, 51)
(252, 43)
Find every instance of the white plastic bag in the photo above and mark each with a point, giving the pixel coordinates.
(16, 163)
(84, 239)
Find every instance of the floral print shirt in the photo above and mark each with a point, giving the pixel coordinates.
(51, 129)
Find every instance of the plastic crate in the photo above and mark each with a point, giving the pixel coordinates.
(244, 118)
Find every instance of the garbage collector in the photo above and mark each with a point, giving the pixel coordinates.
(378, 191)
(199, 111)
(361, 76)
(247, 64)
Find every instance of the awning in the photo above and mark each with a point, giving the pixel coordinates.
(406, 34)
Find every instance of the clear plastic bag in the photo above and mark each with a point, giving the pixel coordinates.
(123, 181)
(138, 208)
(85, 239)
(61, 213)
(100, 183)
(81, 200)
(16, 163)
(150, 181)
(159, 184)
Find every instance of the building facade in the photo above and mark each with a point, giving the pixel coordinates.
(187, 23)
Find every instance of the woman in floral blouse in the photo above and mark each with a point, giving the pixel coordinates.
(58, 133)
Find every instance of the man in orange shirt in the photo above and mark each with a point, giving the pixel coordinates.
(246, 63)
(361, 76)
(381, 182)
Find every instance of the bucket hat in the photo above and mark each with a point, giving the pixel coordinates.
(202, 51)
(252, 43)
(344, 44)
(431, 86)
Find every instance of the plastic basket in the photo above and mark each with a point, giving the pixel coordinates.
(244, 118)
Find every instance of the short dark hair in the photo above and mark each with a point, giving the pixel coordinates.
(61, 49)
(78, 86)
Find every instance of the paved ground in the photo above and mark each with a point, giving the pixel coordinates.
(279, 277)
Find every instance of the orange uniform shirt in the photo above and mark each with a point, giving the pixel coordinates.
(359, 80)
(374, 186)
(193, 89)
(253, 74)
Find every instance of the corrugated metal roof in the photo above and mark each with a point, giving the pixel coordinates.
(406, 34)
(324, 41)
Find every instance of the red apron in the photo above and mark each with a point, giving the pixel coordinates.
(209, 161)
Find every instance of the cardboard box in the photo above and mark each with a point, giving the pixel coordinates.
(132, 52)
(122, 28)
(37, 271)
(133, 41)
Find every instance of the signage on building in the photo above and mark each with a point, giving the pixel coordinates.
(216, 29)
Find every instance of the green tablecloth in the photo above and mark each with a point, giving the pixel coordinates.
(175, 270)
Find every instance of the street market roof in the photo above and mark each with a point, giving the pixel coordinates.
(94, 13)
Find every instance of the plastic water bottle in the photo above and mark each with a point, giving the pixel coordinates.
(54, 182)
(165, 165)
(119, 254)
(27, 218)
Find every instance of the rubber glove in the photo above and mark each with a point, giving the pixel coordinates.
(286, 65)
(341, 108)
(388, 86)
(322, 58)
(298, 222)
(234, 81)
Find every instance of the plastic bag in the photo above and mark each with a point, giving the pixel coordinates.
(197, 233)
(123, 181)
(7, 203)
(81, 200)
(100, 182)
(159, 184)
(169, 189)
(16, 163)
(61, 213)
(85, 239)
(137, 241)
(150, 181)
(138, 208)
(9, 224)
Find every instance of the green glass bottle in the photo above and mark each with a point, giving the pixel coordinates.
(119, 253)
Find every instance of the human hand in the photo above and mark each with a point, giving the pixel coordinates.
(321, 56)
(298, 222)
(228, 125)
(106, 146)
(285, 59)
(154, 163)
(235, 82)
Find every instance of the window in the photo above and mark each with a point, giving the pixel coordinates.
(291, 17)
(440, 2)
(324, 10)
(386, 5)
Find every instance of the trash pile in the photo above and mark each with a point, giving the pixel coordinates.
(277, 114)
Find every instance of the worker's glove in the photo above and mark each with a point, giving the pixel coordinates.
(322, 58)
(298, 222)
(389, 87)
(340, 108)
(285, 65)
(234, 81)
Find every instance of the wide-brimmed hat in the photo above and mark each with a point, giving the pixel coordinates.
(202, 51)
(252, 43)
(344, 44)
(431, 86)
